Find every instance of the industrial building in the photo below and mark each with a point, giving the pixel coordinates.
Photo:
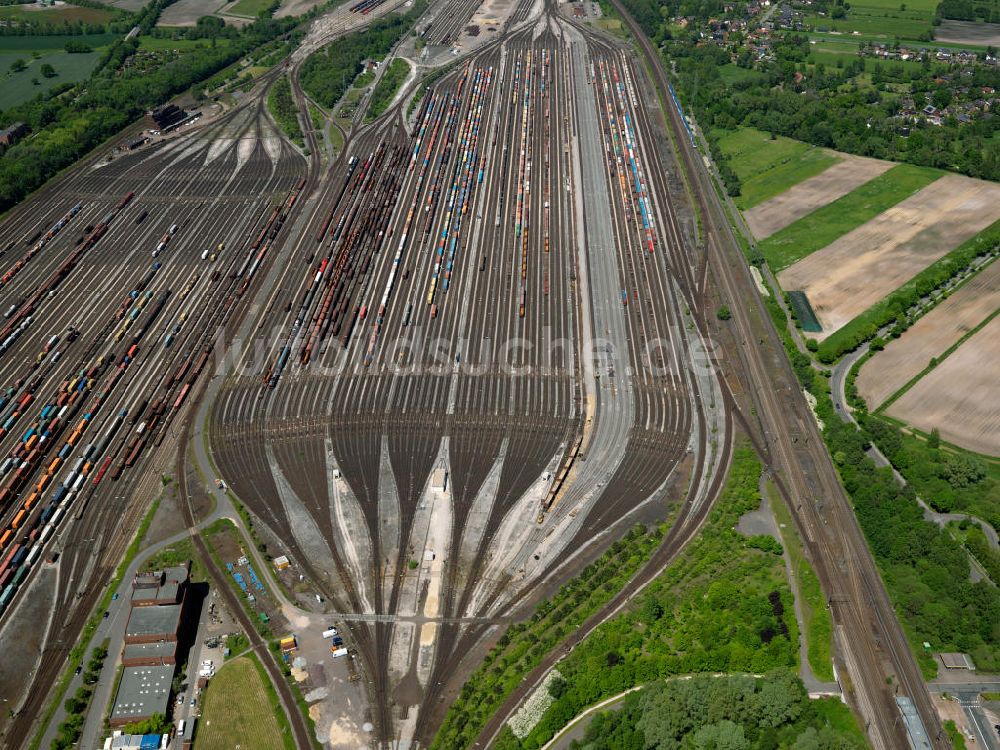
(153, 624)
(142, 692)
(165, 117)
(158, 654)
(149, 653)
(10, 136)
(160, 587)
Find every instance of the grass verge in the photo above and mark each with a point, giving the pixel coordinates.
(386, 88)
(815, 614)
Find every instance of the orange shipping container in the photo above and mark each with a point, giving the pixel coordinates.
(43, 482)
(5, 538)
(32, 499)
(19, 518)
(54, 466)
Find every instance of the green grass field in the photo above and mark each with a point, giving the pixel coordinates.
(768, 167)
(55, 16)
(249, 8)
(241, 709)
(18, 87)
(154, 43)
(824, 225)
(815, 614)
(830, 51)
(882, 19)
(43, 42)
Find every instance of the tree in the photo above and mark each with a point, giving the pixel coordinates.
(722, 736)
(47, 70)
(960, 470)
(17, 66)
(934, 440)
(723, 313)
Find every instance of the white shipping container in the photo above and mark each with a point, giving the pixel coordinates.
(339, 652)
(33, 555)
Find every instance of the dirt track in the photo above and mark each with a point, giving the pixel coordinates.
(903, 358)
(857, 270)
(961, 397)
(802, 199)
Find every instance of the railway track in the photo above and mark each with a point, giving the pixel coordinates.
(820, 507)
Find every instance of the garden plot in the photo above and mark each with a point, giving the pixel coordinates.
(857, 270)
(904, 358)
(961, 396)
(786, 208)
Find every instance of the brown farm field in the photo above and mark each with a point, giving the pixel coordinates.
(788, 207)
(968, 32)
(187, 12)
(961, 396)
(857, 270)
(904, 358)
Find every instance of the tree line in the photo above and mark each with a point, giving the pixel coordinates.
(68, 121)
(737, 712)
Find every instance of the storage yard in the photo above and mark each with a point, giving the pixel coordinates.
(857, 270)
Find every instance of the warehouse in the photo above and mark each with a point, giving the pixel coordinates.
(142, 692)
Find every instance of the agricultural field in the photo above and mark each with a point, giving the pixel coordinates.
(968, 32)
(959, 397)
(834, 182)
(238, 711)
(248, 8)
(824, 225)
(931, 336)
(20, 87)
(131, 5)
(766, 166)
(56, 15)
(857, 270)
(187, 12)
(886, 19)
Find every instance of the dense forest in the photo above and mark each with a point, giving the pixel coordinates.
(69, 120)
(327, 74)
(731, 713)
(970, 10)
